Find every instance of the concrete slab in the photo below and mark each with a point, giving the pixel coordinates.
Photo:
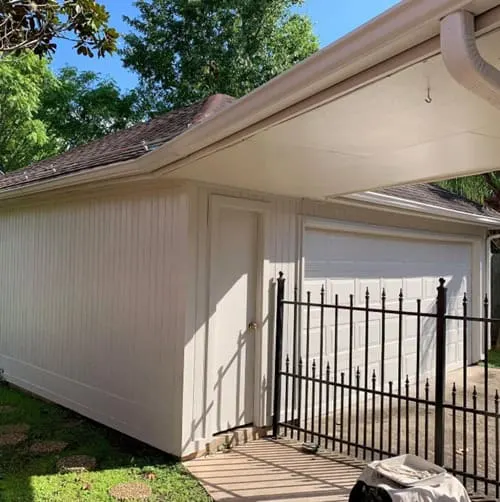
(275, 471)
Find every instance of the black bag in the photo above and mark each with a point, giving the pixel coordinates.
(364, 493)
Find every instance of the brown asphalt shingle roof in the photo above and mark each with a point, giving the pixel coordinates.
(128, 144)
(139, 139)
(429, 193)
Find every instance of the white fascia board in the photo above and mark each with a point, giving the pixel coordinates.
(425, 208)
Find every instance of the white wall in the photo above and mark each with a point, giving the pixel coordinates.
(104, 300)
(92, 306)
(282, 253)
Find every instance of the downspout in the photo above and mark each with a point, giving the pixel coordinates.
(463, 61)
(466, 65)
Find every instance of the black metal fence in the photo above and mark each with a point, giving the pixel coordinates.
(322, 397)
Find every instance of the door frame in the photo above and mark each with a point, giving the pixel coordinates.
(261, 210)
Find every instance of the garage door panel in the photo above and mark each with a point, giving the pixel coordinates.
(374, 289)
(391, 329)
(314, 343)
(410, 364)
(413, 288)
(392, 288)
(411, 324)
(373, 334)
(341, 287)
(314, 287)
(348, 264)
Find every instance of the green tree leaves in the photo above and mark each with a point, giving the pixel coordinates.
(185, 50)
(43, 114)
(482, 188)
(23, 137)
(35, 25)
(83, 106)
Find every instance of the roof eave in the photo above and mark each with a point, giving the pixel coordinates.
(399, 203)
(405, 26)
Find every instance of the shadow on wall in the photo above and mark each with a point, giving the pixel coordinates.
(239, 359)
(243, 362)
(231, 395)
(227, 373)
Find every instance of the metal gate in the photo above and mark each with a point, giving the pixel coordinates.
(324, 399)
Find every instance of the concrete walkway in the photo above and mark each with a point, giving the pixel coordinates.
(275, 471)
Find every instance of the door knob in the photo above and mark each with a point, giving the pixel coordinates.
(252, 325)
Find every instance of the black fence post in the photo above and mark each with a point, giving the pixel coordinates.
(440, 374)
(278, 353)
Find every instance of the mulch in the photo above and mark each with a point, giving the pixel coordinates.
(42, 447)
(76, 463)
(12, 438)
(14, 429)
(131, 491)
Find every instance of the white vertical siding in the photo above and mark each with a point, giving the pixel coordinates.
(104, 302)
(282, 253)
(92, 308)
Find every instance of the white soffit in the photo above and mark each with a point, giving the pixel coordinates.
(382, 134)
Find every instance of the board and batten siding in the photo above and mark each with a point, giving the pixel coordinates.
(92, 307)
(282, 252)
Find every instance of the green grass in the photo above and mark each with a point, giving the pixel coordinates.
(25, 477)
(494, 358)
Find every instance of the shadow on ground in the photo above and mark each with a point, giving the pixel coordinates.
(45, 433)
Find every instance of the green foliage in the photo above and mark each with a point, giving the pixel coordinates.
(84, 106)
(44, 114)
(34, 478)
(35, 25)
(185, 50)
(494, 358)
(476, 188)
(23, 137)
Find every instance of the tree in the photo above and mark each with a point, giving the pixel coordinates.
(35, 25)
(23, 137)
(482, 188)
(83, 106)
(185, 50)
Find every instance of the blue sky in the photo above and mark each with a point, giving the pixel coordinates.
(332, 19)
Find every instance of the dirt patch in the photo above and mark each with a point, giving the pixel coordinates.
(70, 424)
(14, 429)
(76, 463)
(42, 447)
(6, 408)
(12, 438)
(131, 491)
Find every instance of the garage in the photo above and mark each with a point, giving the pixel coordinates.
(350, 261)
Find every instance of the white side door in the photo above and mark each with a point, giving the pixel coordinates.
(234, 282)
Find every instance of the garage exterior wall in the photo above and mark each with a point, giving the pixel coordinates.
(127, 345)
(92, 306)
(284, 233)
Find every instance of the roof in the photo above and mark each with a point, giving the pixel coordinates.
(432, 194)
(142, 138)
(120, 146)
(376, 108)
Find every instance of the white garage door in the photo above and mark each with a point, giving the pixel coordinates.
(348, 263)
